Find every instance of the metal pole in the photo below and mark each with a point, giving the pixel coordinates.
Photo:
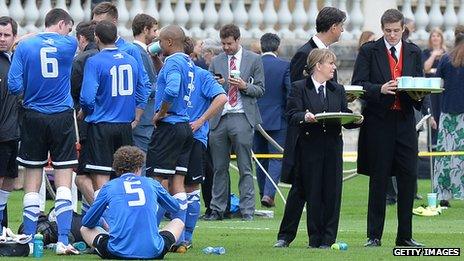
(429, 135)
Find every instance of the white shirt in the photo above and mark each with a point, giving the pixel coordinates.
(319, 43)
(144, 46)
(397, 47)
(239, 107)
(318, 84)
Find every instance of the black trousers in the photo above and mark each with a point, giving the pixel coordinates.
(321, 175)
(5, 217)
(292, 215)
(395, 145)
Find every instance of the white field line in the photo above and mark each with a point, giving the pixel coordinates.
(206, 226)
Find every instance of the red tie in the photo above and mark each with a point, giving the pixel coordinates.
(233, 89)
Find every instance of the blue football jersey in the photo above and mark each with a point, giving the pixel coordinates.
(131, 203)
(134, 51)
(41, 69)
(206, 88)
(111, 88)
(174, 85)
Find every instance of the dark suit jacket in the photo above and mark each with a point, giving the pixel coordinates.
(277, 83)
(251, 71)
(77, 71)
(371, 71)
(297, 65)
(303, 96)
(147, 116)
(298, 62)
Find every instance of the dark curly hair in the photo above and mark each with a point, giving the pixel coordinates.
(188, 45)
(128, 159)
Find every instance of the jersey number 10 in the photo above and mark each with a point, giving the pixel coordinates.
(118, 77)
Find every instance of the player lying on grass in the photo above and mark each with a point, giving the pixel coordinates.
(131, 202)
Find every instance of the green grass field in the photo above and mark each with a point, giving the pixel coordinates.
(253, 240)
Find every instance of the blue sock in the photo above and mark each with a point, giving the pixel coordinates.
(31, 212)
(160, 214)
(3, 200)
(64, 213)
(182, 199)
(193, 212)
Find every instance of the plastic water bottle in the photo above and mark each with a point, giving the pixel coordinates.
(38, 246)
(81, 246)
(214, 250)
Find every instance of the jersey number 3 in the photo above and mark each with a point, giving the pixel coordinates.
(130, 188)
(118, 78)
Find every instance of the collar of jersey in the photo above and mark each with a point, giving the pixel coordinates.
(48, 33)
(183, 54)
(109, 49)
(128, 174)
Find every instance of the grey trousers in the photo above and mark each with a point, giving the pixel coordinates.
(232, 130)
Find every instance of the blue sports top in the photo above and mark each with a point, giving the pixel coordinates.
(41, 69)
(131, 203)
(206, 88)
(175, 85)
(111, 87)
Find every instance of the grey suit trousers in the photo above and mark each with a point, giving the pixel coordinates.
(232, 130)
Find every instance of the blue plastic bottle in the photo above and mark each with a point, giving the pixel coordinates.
(38, 246)
(81, 246)
(214, 250)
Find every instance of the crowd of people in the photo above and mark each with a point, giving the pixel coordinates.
(146, 124)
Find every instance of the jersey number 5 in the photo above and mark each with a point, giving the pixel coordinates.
(129, 187)
(48, 65)
(118, 77)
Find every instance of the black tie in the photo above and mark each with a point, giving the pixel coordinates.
(392, 51)
(321, 94)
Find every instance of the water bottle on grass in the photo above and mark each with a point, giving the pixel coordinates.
(38, 246)
(214, 250)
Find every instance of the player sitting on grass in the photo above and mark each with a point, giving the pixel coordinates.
(131, 202)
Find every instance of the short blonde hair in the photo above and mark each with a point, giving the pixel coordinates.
(318, 55)
(438, 31)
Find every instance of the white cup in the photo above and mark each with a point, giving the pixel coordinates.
(235, 73)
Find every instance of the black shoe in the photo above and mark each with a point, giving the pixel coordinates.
(267, 201)
(418, 197)
(247, 217)
(373, 242)
(281, 243)
(324, 247)
(445, 203)
(215, 215)
(391, 201)
(408, 243)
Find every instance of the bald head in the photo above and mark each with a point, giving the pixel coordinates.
(172, 39)
(173, 32)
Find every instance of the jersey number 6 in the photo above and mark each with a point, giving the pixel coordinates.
(48, 65)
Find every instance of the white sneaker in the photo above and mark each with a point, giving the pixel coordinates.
(61, 249)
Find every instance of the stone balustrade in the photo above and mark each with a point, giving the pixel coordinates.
(291, 19)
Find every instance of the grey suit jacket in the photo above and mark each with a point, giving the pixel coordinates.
(252, 72)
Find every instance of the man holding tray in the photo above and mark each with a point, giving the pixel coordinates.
(387, 140)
